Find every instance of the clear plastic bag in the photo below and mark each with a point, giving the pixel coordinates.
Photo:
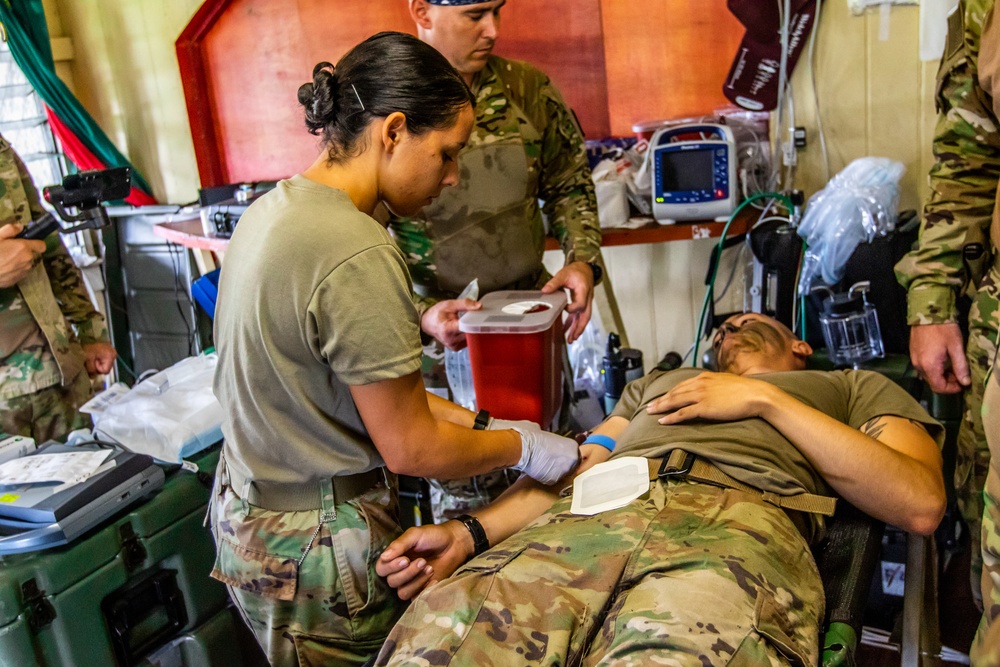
(169, 416)
(458, 367)
(586, 354)
(857, 205)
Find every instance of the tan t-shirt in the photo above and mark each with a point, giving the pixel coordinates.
(751, 450)
(314, 298)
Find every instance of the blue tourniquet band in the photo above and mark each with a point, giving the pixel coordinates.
(602, 440)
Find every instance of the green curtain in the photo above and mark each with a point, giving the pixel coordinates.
(28, 37)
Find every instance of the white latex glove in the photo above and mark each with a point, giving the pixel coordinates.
(506, 424)
(545, 456)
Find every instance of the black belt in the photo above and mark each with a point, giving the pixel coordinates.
(298, 497)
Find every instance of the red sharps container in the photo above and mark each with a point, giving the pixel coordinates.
(516, 353)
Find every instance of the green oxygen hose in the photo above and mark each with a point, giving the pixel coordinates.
(710, 291)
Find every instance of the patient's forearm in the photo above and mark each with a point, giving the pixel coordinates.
(522, 503)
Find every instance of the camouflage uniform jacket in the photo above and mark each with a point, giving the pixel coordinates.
(521, 115)
(37, 346)
(963, 180)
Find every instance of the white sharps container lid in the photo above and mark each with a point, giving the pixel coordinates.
(521, 312)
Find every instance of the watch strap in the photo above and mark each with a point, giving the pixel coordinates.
(479, 540)
(482, 420)
(597, 270)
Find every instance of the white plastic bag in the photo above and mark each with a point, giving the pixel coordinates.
(857, 205)
(611, 188)
(168, 416)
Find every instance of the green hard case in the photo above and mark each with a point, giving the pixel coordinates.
(121, 591)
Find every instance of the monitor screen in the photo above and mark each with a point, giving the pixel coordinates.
(686, 170)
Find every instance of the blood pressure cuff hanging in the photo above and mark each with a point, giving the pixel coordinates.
(752, 82)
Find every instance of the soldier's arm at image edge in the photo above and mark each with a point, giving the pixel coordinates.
(34, 202)
(567, 187)
(74, 301)
(963, 183)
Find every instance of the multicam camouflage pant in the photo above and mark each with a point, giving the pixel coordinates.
(689, 575)
(48, 414)
(452, 497)
(986, 647)
(973, 456)
(305, 582)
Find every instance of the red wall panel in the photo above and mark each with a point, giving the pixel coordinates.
(615, 61)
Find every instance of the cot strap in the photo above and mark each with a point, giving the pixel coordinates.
(685, 465)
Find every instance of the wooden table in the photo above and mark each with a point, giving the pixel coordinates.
(189, 233)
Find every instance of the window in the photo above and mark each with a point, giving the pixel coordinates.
(23, 123)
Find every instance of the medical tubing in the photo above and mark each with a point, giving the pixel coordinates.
(812, 72)
(602, 440)
(718, 248)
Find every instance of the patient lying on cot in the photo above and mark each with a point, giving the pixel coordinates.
(710, 566)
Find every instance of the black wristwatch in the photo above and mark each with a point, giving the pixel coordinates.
(479, 540)
(598, 272)
(482, 420)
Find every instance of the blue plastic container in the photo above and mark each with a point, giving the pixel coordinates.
(205, 291)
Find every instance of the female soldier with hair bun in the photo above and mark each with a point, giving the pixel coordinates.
(319, 364)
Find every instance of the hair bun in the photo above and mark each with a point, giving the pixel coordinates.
(320, 98)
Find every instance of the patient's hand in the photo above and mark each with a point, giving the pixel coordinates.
(424, 555)
(716, 396)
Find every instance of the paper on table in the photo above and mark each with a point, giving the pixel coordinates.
(106, 466)
(69, 467)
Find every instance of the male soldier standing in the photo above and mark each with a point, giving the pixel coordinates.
(44, 368)
(955, 253)
(525, 146)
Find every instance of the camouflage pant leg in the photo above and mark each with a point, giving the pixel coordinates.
(306, 587)
(688, 575)
(973, 455)
(48, 414)
(986, 647)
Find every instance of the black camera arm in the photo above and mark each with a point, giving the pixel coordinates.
(83, 192)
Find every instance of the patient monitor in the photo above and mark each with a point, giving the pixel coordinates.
(694, 172)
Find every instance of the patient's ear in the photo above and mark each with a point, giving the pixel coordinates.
(801, 349)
